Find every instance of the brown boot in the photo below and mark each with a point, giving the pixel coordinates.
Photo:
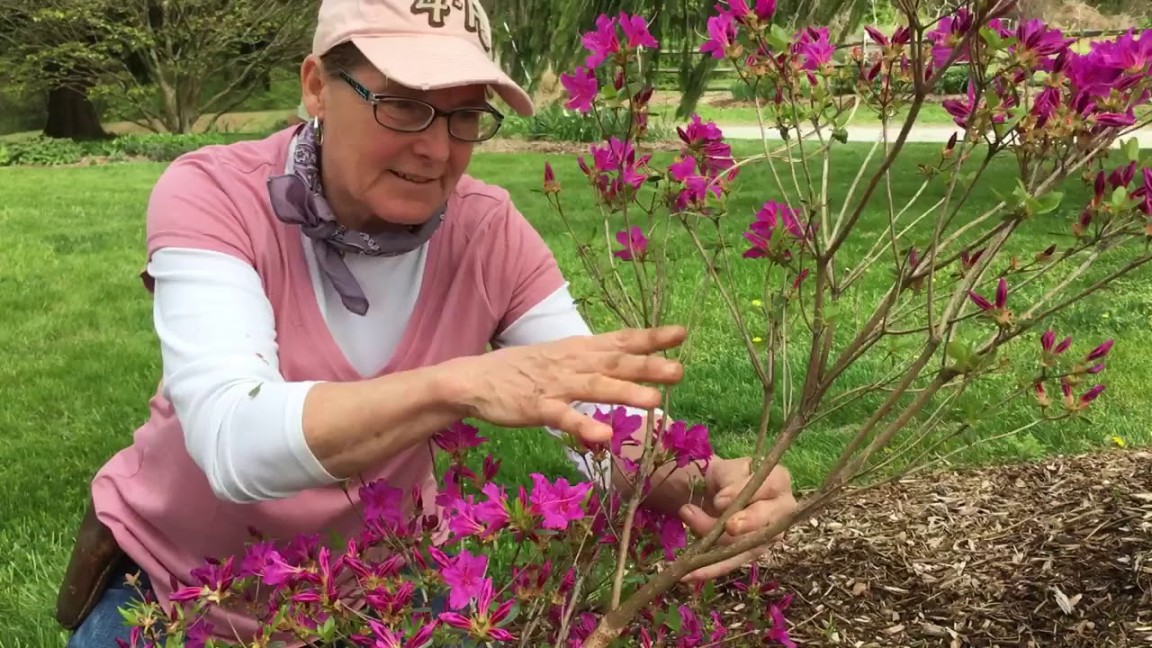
(94, 557)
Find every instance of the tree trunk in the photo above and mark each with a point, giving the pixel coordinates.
(72, 115)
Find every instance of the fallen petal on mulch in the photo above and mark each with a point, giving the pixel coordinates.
(1053, 553)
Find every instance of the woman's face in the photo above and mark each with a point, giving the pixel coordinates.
(374, 176)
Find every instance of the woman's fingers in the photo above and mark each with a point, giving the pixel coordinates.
(641, 341)
(625, 367)
(562, 416)
(535, 385)
(699, 522)
(723, 567)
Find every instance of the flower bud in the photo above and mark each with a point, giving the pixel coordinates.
(1041, 395)
(551, 186)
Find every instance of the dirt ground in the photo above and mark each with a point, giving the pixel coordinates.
(1049, 554)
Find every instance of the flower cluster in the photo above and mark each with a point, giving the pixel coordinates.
(765, 55)
(486, 564)
(1117, 195)
(1069, 374)
(776, 231)
(610, 54)
(1083, 94)
(617, 172)
(705, 167)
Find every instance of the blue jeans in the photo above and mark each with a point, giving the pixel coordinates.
(104, 624)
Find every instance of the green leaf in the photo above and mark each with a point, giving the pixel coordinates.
(1132, 150)
(1119, 197)
(1048, 202)
(513, 612)
(328, 629)
(959, 351)
(777, 38)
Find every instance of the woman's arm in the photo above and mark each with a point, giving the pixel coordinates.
(255, 435)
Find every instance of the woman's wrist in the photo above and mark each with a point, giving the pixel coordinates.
(354, 427)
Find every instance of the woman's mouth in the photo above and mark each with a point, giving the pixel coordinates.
(414, 179)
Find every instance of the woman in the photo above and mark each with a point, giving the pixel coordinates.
(324, 299)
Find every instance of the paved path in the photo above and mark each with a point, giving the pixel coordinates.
(871, 134)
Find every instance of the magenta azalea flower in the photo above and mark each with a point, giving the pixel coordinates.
(624, 426)
(602, 43)
(634, 242)
(1038, 46)
(813, 48)
(458, 437)
(636, 31)
(779, 631)
(771, 216)
(464, 575)
(682, 169)
(382, 504)
(721, 36)
(484, 621)
(687, 444)
(582, 87)
(1100, 351)
(385, 637)
(668, 529)
(558, 503)
(763, 9)
(1073, 404)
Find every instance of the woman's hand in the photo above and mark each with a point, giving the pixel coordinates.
(772, 502)
(535, 385)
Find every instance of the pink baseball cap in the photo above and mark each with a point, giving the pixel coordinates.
(422, 44)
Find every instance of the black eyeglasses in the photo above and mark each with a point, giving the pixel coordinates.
(413, 116)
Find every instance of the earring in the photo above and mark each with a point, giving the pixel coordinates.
(318, 130)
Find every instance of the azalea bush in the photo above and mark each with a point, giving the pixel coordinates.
(586, 563)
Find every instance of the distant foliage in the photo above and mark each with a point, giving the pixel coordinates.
(555, 123)
(45, 151)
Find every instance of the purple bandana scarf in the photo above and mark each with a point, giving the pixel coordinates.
(297, 199)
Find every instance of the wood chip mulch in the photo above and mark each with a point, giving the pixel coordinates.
(1053, 553)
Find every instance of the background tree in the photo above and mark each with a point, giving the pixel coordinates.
(70, 111)
(165, 64)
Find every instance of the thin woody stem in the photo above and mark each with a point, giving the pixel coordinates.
(647, 459)
(895, 426)
(960, 429)
(732, 307)
(835, 477)
(769, 390)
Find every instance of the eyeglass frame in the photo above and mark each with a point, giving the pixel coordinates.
(375, 98)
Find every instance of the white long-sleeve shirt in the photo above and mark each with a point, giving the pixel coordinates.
(209, 305)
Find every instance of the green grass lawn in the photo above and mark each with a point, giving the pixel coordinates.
(81, 361)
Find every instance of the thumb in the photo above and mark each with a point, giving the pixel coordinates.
(725, 479)
(697, 519)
